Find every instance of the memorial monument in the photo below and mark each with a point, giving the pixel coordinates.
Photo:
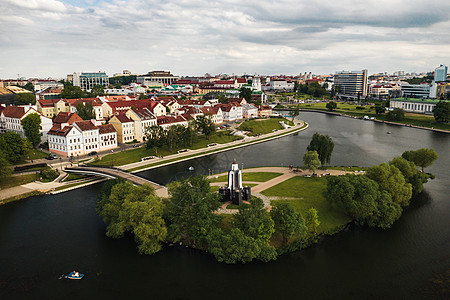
(234, 191)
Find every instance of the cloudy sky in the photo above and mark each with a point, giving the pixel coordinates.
(51, 38)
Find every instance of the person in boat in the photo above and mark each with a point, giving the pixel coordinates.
(75, 273)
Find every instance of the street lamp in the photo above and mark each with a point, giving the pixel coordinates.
(60, 163)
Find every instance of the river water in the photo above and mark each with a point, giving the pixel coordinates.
(44, 237)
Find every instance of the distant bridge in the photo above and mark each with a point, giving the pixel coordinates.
(116, 173)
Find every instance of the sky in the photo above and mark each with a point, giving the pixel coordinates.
(53, 38)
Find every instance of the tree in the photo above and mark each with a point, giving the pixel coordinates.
(156, 137)
(5, 169)
(331, 105)
(72, 92)
(294, 112)
(312, 220)
(189, 211)
(135, 209)
(362, 200)
(236, 246)
(31, 126)
(422, 157)
(85, 110)
(397, 114)
(410, 172)
(324, 146)
(97, 90)
(29, 86)
(288, 222)
(380, 109)
(391, 180)
(222, 98)
(441, 111)
(25, 98)
(255, 221)
(205, 125)
(245, 93)
(13, 146)
(143, 96)
(117, 85)
(311, 161)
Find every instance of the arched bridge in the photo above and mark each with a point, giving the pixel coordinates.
(116, 173)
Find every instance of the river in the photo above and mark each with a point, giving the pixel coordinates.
(43, 237)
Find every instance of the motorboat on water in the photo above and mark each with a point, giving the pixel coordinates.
(75, 275)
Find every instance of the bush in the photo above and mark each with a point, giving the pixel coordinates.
(360, 107)
(48, 174)
(397, 114)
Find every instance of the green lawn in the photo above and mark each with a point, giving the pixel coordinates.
(369, 110)
(262, 126)
(17, 180)
(250, 176)
(37, 154)
(136, 154)
(307, 192)
(342, 168)
(72, 177)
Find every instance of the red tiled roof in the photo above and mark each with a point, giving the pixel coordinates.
(93, 101)
(170, 119)
(49, 102)
(85, 125)
(143, 113)
(123, 118)
(14, 112)
(230, 82)
(66, 117)
(61, 132)
(241, 80)
(106, 128)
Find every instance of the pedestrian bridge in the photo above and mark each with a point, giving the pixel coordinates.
(116, 173)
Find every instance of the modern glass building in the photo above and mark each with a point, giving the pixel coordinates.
(86, 81)
(440, 73)
(352, 83)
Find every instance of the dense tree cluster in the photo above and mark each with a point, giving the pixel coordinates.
(377, 198)
(85, 110)
(331, 105)
(205, 125)
(25, 98)
(176, 136)
(397, 114)
(314, 89)
(441, 111)
(127, 208)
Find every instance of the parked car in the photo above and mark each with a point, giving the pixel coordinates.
(51, 156)
(92, 153)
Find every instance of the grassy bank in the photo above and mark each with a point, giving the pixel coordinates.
(369, 110)
(250, 176)
(304, 193)
(136, 154)
(17, 180)
(263, 126)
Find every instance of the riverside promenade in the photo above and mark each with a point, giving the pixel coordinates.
(58, 185)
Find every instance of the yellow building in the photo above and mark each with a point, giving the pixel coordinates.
(52, 107)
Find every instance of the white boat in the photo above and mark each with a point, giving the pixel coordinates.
(75, 275)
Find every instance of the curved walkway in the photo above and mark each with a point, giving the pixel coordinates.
(261, 186)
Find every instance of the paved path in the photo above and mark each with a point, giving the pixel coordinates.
(63, 162)
(261, 186)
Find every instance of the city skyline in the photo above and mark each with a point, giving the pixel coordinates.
(51, 38)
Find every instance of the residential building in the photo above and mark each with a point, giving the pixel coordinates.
(107, 136)
(166, 121)
(11, 120)
(66, 118)
(66, 141)
(231, 111)
(352, 83)
(264, 111)
(86, 81)
(143, 118)
(95, 102)
(90, 135)
(124, 127)
(215, 113)
(281, 85)
(250, 111)
(52, 107)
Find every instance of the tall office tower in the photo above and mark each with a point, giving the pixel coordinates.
(440, 73)
(352, 83)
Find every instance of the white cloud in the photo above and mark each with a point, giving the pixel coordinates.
(52, 38)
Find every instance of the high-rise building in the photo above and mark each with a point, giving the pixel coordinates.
(352, 83)
(86, 81)
(440, 73)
